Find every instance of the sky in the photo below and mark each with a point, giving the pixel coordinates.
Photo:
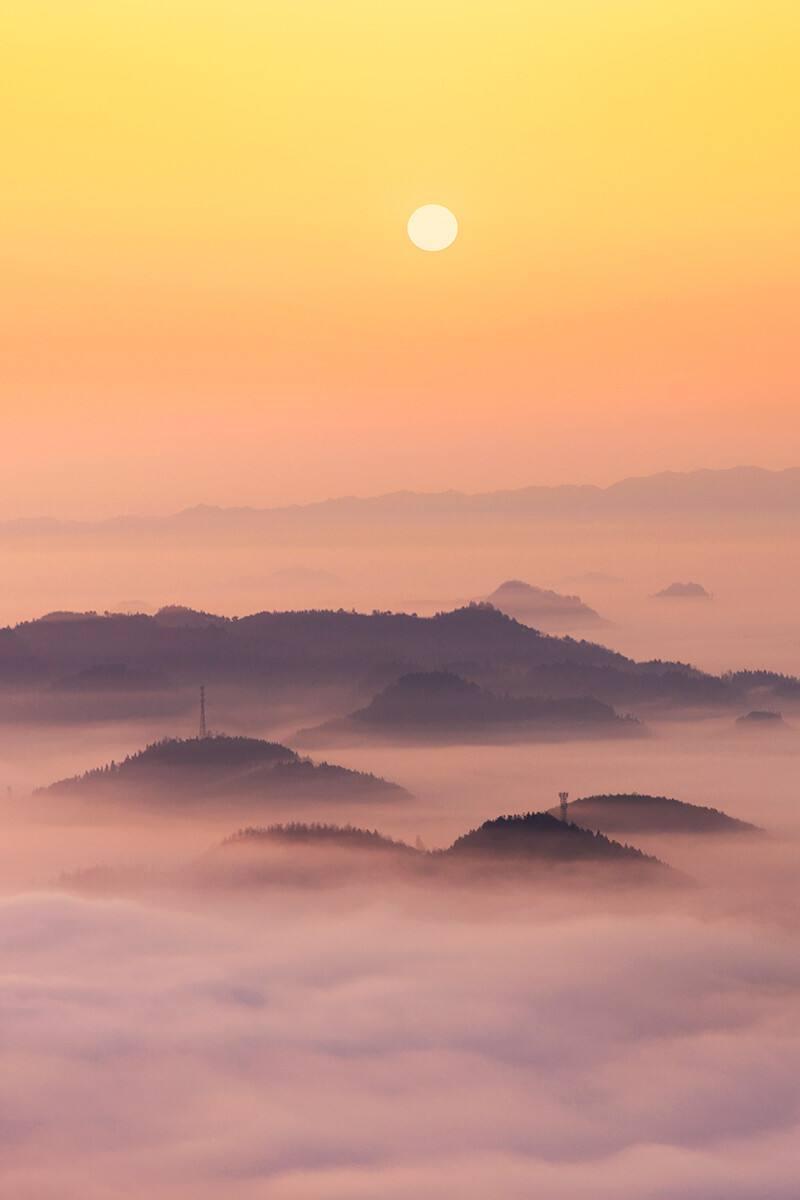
(208, 294)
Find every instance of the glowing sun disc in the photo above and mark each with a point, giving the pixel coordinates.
(432, 227)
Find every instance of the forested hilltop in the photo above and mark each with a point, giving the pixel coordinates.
(113, 652)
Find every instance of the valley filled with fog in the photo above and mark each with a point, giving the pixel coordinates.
(460, 1005)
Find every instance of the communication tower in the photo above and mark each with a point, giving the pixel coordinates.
(203, 729)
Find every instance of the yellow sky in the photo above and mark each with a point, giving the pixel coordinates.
(207, 289)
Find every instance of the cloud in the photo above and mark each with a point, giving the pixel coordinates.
(282, 1047)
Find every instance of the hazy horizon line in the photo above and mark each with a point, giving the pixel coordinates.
(372, 497)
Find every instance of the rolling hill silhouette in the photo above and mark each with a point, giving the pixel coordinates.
(439, 705)
(516, 848)
(272, 649)
(634, 813)
(513, 843)
(542, 836)
(184, 774)
(542, 608)
(683, 591)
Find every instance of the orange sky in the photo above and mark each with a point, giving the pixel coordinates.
(208, 293)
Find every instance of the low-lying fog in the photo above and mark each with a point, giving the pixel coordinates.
(750, 775)
(386, 1039)
(567, 1038)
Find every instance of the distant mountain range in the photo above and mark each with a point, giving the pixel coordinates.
(71, 660)
(188, 774)
(737, 490)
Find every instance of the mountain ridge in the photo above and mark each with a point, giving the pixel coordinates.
(362, 650)
(730, 489)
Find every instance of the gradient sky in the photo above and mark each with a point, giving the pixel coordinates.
(208, 293)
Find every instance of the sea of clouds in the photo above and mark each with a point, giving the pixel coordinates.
(284, 1046)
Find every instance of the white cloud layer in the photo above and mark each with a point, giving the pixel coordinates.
(283, 1048)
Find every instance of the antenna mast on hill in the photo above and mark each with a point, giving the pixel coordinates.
(563, 798)
(203, 730)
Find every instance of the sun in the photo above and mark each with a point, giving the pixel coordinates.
(432, 227)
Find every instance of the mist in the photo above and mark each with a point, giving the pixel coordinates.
(278, 1044)
(333, 1003)
(748, 563)
(333, 1032)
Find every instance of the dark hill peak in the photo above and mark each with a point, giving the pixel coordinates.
(441, 704)
(539, 835)
(215, 750)
(178, 616)
(683, 591)
(243, 769)
(297, 833)
(525, 602)
(64, 618)
(479, 614)
(635, 813)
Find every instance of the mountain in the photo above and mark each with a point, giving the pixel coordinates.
(442, 706)
(270, 650)
(738, 491)
(177, 774)
(306, 855)
(178, 616)
(761, 718)
(683, 591)
(311, 855)
(542, 608)
(542, 837)
(633, 813)
(301, 852)
(297, 833)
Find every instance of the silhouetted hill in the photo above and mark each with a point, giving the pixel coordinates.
(541, 607)
(760, 720)
(439, 705)
(64, 617)
(300, 851)
(306, 855)
(272, 649)
(683, 591)
(297, 833)
(293, 854)
(542, 836)
(178, 616)
(761, 717)
(633, 813)
(237, 769)
(768, 683)
(326, 855)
